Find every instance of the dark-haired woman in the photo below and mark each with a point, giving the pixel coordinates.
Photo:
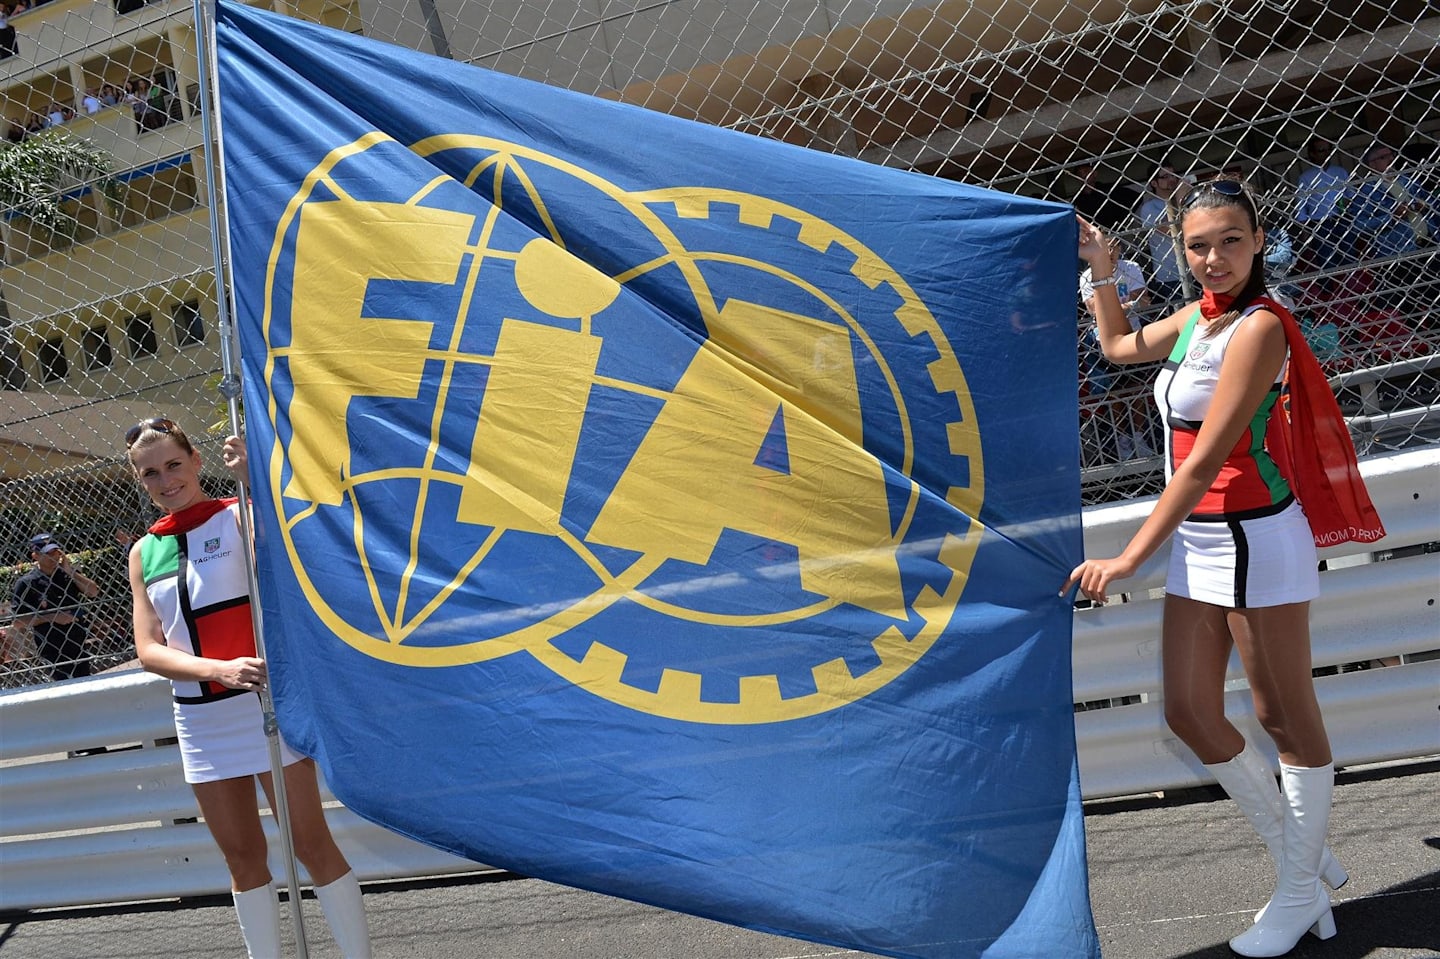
(192, 625)
(1243, 565)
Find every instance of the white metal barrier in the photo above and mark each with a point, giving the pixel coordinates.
(111, 827)
(1366, 610)
(104, 828)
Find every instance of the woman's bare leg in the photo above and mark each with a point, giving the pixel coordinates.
(233, 816)
(1195, 649)
(314, 845)
(1274, 646)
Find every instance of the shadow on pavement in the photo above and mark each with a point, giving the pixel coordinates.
(1406, 916)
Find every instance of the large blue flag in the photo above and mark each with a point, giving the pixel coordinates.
(657, 509)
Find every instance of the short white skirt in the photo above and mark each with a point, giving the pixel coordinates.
(1245, 564)
(225, 739)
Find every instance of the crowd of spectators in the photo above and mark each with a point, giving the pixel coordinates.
(147, 97)
(151, 102)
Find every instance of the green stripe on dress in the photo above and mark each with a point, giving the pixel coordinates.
(159, 557)
(1269, 472)
(1183, 343)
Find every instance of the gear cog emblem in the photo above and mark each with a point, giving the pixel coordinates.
(666, 442)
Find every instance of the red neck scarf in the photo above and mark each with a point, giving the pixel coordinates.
(1310, 442)
(1213, 304)
(173, 524)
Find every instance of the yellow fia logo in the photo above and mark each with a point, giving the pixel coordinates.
(699, 471)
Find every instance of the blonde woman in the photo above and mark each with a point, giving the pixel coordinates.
(192, 625)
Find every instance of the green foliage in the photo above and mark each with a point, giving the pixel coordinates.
(37, 172)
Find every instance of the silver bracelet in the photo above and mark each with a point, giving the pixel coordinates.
(1105, 281)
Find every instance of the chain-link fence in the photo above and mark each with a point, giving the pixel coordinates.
(1329, 111)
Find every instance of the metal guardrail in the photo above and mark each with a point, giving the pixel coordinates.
(120, 826)
(1371, 716)
(181, 860)
(1117, 647)
(1366, 610)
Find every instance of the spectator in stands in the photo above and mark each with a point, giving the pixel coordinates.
(1158, 214)
(50, 599)
(1324, 193)
(1279, 261)
(1096, 378)
(1391, 207)
(1129, 410)
(56, 115)
(9, 45)
(157, 98)
(36, 123)
(1347, 300)
(1129, 284)
(91, 103)
(1242, 568)
(1279, 254)
(179, 618)
(154, 104)
(1371, 334)
(109, 95)
(16, 132)
(132, 98)
(1107, 206)
(1397, 217)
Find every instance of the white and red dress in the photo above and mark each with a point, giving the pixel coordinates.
(193, 564)
(1247, 543)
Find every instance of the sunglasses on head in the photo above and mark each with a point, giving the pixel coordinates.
(1232, 188)
(156, 424)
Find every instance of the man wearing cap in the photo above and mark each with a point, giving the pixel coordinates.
(48, 599)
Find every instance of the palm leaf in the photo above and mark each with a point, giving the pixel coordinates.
(37, 173)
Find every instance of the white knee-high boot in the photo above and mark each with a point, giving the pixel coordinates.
(1300, 903)
(345, 913)
(1247, 780)
(258, 910)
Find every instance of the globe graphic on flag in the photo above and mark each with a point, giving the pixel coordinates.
(660, 440)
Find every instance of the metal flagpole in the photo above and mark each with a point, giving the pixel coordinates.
(230, 390)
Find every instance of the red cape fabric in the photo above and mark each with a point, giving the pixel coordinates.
(1310, 442)
(189, 517)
